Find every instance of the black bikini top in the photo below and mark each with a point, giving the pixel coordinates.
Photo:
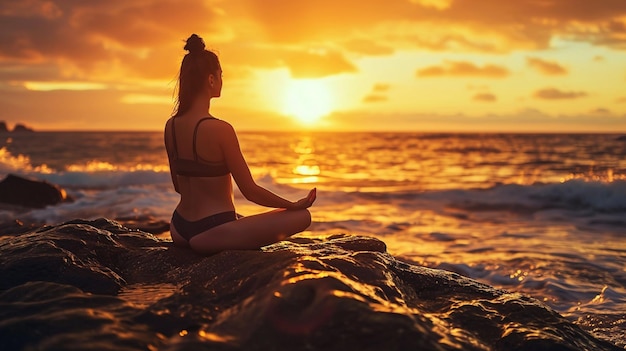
(195, 167)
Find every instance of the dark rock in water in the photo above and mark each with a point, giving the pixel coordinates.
(16, 190)
(22, 128)
(95, 285)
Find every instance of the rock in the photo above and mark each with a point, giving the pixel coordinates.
(16, 190)
(144, 223)
(22, 128)
(3, 127)
(102, 286)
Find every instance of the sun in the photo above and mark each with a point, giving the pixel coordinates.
(307, 100)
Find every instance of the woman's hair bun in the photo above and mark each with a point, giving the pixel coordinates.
(194, 44)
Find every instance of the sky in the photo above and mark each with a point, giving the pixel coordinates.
(349, 65)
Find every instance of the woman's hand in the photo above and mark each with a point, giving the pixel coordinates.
(305, 202)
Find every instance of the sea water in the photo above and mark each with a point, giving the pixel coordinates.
(539, 214)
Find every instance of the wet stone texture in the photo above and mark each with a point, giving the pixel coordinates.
(96, 285)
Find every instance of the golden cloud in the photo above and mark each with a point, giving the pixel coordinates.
(546, 67)
(125, 39)
(555, 94)
(375, 98)
(316, 65)
(367, 47)
(463, 69)
(485, 97)
(381, 87)
(377, 94)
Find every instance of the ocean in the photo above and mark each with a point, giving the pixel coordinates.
(539, 214)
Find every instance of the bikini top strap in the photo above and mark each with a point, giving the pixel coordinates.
(195, 134)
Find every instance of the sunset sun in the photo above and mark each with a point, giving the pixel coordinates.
(307, 100)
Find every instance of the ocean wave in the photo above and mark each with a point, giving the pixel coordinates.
(106, 179)
(573, 195)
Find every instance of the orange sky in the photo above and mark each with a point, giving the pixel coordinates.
(418, 65)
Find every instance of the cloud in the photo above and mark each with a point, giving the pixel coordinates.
(463, 69)
(367, 47)
(317, 65)
(485, 97)
(546, 67)
(525, 120)
(621, 99)
(375, 98)
(378, 93)
(111, 38)
(142, 38)
(601, 111)
(381, 87)
(493, 25)
(555, 94)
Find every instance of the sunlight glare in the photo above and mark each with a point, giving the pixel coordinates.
(307, 100)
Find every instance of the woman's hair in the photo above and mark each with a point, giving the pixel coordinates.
(196, 67)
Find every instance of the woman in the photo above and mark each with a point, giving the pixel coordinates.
(203, 153)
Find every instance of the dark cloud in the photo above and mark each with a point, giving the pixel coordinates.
(555, 94)
(92, 36)
(546, 67)
(463, 69)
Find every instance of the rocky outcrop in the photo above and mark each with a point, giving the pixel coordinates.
(21, 128)
(20, 191)
(102, 286)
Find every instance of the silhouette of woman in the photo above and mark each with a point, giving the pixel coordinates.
(203, 153)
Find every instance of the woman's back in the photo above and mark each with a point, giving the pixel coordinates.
(201, 194)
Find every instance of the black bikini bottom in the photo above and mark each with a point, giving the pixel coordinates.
(189, 229)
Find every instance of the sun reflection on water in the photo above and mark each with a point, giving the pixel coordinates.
(306, 169)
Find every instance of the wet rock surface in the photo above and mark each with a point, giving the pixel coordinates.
(96, 285)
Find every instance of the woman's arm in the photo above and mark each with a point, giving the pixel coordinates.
(241, 173)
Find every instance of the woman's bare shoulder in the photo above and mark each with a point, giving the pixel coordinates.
(222, 123)
(223, 127)
(168, 123)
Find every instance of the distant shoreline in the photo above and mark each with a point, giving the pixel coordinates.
(17, 128)
(417, 132)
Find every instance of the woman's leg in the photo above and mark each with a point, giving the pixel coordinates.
(252, 232)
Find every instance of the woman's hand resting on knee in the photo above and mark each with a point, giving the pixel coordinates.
(304, 202)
